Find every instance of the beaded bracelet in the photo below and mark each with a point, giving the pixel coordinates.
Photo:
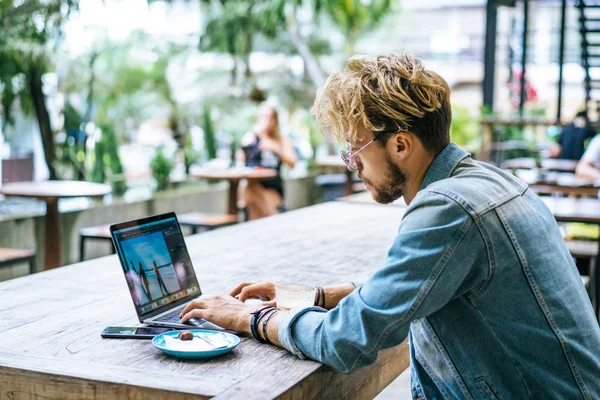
(256, 316)
(318, 300)
(264, 325)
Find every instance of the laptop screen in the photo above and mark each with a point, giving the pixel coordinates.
(157, 266)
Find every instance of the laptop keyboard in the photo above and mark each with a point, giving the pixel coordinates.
(173, 317)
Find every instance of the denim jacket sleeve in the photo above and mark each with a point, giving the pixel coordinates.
(431, 262)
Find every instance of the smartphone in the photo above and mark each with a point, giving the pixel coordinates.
(140, 332)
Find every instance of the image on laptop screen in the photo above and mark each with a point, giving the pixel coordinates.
(157, 266)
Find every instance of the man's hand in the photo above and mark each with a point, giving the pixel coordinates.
(222, 310)
(264, 291)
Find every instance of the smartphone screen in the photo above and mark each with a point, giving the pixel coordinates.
(123, 331)
(120, 330)
(152, 331)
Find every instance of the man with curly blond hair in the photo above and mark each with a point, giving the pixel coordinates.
(478, 277)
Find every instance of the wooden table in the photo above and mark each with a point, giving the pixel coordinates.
(489, 123)
(336, 162)
(51, 192)
(548, 164)
(558, 182)
(565, 190)
(557, 164)
(580, 210)
(233, 176)
(50, 344)
(519, 163)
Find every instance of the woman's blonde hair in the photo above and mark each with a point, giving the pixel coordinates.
(275, 132)
(385, 94)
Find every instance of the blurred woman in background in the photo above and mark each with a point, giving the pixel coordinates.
(263, 146)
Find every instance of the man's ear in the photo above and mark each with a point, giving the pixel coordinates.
(401, 144)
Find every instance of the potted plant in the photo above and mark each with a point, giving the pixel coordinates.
(161, 166)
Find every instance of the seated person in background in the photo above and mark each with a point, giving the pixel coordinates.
(589, 165)
(573, 137)
(264, 147)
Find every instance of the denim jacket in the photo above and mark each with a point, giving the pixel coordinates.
(481, 280)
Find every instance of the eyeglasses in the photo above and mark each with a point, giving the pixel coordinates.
(350, 159)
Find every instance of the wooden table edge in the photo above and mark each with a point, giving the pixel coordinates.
(55, 386)
(325, 383)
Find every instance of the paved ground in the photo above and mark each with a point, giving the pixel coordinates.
(397, 390)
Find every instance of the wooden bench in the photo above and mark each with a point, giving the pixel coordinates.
(583, 249)
(101, 232)
(10, 256)
(194, 220)
(519, 163)
(206, 221)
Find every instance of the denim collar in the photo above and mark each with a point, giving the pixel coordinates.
(444, 163)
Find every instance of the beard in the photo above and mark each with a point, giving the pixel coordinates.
(392, 189)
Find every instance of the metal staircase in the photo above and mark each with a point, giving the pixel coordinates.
(589, 27)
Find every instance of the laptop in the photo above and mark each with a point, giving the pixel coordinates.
(158, 270)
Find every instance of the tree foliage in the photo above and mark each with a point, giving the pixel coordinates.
(210, 142)
(28, 32)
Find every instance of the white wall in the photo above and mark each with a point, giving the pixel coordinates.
(24, 138)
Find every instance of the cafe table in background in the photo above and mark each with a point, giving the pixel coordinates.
(233, 175)
(51, 192)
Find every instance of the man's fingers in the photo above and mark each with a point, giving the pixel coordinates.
(190, 306)
(250, 292)
(196, 313)
(256, 291)
(245, 294)
(239, 288)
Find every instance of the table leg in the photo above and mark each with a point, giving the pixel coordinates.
(233, 197)
(31, 263)
(53, 240)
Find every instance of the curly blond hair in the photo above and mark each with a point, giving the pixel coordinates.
(385, 94)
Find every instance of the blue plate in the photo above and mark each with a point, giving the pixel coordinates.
(169, 343)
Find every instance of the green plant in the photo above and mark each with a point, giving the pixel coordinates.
(106, 162)
(210, 143)
(161, 167)
(190, 155)
(113, 161)
(355, 17)
(464, 129)
(98, 172)
(71, 152)
(315, 137)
